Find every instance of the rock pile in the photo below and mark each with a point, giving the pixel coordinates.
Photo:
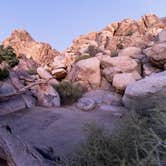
(121, 58)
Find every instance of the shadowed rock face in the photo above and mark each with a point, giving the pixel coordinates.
(24, 44)
(3, 162)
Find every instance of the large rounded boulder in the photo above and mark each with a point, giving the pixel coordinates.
(146, 93)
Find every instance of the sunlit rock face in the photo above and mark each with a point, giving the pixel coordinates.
(25, 45)
(125, 33)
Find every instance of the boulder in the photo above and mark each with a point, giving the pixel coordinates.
(46, 96)
(44, 74)
(148, 69)
(62, 61)
(157, 54)
(162, 36)
(17, 84)
(59, 73)
(13, 104)
(117, 65)
(132, 52)
(122, 80)
(104, 97)
(87, 72)
(86, 104)
(146, 93)
(123, 64)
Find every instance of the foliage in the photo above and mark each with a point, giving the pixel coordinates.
(92, 50)
(114, 53)
(129, 33)
(3, 74)
(69, 93)
(81, 57)
(139, 141)
(8, 56)
(32, 71)
(120, 45)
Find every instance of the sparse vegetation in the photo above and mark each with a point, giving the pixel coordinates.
(7, 60)
(114, 53)
(92, 50)
(139, 141)
(7, 54)
(82, 57)
(4, 73)
(32, 71)
(130, 33)
(120, 45)
(69, 92)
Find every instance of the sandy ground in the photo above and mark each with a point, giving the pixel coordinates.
(60, 128)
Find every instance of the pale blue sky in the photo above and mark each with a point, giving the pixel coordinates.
(58, 22)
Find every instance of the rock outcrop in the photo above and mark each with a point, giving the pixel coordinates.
(87, 73)
(115, 58)
(25, 45)
(118, 35)
(157, 54)
(146, 93)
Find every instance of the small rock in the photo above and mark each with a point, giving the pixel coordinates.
(59, 73)
(86, 104)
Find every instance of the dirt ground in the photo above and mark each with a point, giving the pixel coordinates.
(59, 128)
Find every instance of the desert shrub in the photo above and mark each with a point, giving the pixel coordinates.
(81, 57)
(69, 92)
(120, 45)
(139, 141)
(114, 53)
(8, 56)
(32, 71)
(92, 50)
(4, 73)
(129, 33)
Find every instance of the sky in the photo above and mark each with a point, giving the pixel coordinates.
(58, 22)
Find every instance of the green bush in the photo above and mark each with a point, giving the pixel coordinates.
(8, 56)
(120, 45)
(32, 71)
(114, 53)
(3, 74)
(82, 57)
(139, 141)
(69, 93)
(92, 50)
